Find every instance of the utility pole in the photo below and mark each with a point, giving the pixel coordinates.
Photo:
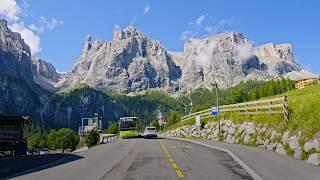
(217, 102)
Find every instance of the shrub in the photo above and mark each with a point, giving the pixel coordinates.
(66, 138)
(92, 138)
(113, 128)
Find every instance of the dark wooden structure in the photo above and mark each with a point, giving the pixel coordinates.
(11, 134)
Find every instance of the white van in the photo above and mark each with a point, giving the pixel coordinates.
(150, 132)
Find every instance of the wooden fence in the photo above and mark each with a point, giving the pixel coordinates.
(269, 106)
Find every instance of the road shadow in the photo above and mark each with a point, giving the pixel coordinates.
(160, 138)
(11, 167)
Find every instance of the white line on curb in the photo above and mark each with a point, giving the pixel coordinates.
(251, 172)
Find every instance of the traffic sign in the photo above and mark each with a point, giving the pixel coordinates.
(214, 111)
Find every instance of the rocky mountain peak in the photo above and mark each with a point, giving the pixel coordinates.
(12, 41)
(3, 24)
(126, 33)
(15, 56)
(132, 62)
(275, 52)
(45, 69)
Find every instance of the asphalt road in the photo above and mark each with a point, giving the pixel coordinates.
(142, 159)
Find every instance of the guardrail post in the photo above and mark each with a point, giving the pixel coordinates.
(285, 109)
(270, 108)
(246, 107)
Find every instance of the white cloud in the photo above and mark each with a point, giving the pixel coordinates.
(204, 26)
(218, 26)
(49, 24)
(132, 22)
(146, 9)
(116, 26)
(186, 35)
(200, 19)
(45, 24)
(223, 22)
(10, 10)
(244, 51)
(29, 36)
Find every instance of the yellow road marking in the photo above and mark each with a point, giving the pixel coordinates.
(179, 173)
(173, 164)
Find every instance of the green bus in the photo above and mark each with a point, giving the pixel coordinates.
(128, 127)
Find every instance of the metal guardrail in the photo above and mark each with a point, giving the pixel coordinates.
(268, 106)
(105, 138)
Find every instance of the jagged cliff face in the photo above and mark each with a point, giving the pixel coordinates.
(15, 56)
(44, 69)
(67, 109)
(44, 74)
(18, 93)
(224, 59)
(132, 62)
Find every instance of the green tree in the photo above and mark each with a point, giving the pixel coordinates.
(113, 128)
(173, 117)
(155, 124)
(43, 141)
(140, 125)
(92, 138)
(34, 140)
(67, 138)
(53, 139)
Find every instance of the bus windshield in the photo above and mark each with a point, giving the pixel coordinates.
(128, 124)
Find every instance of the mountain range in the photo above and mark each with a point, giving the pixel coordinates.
(131, 63)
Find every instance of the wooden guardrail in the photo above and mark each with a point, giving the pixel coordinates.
(105, 138)
(268, 106)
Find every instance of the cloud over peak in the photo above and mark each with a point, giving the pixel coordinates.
(200, 19)
(146, 9)
(28, 36)
(10, 10)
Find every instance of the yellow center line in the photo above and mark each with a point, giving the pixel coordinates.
(179, 173)
(173, 164)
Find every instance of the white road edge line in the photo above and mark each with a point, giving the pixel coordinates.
(251, 172)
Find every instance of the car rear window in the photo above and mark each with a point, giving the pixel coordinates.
(152, 129)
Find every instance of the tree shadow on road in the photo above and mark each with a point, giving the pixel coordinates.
(17, 166)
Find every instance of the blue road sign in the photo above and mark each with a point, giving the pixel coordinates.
(214, 111)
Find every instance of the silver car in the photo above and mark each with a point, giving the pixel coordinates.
(150, 132)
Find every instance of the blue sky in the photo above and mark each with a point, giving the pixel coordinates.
(57, 28)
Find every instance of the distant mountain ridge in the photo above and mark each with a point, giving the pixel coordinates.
(132, 62)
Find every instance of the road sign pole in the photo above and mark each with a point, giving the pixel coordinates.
(216, 86)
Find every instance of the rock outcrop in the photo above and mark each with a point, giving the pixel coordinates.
(44, 74)
(18, 93)
(15, 56)
(66, 109)
(132, 62)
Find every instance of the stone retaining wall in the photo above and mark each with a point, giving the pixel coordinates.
(249, 133)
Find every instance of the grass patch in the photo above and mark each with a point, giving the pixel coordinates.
(289, 151)
(304, 107)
